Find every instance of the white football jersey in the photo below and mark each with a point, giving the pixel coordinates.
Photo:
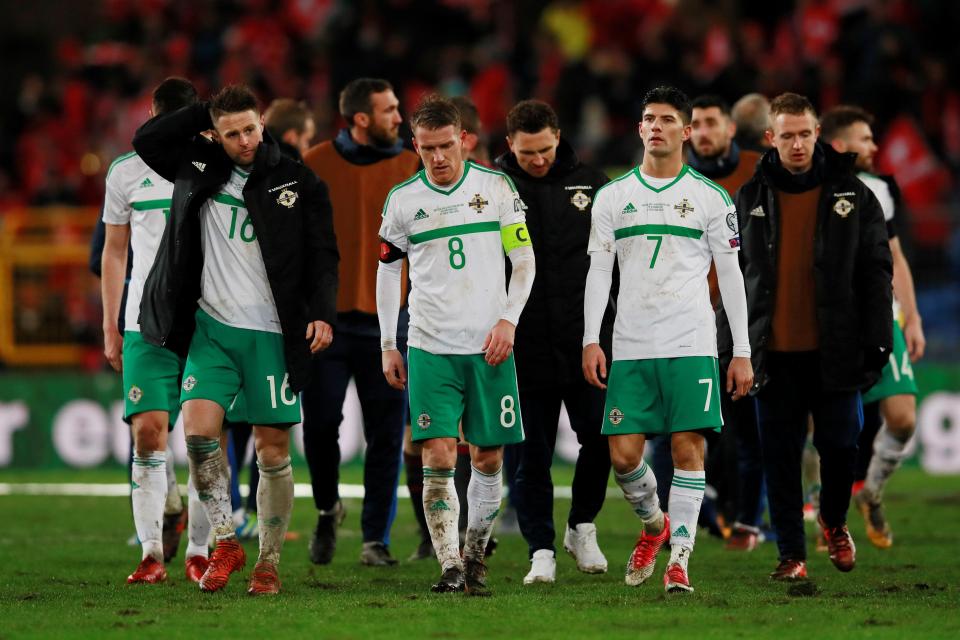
(452, 237)
(664, 234)
(234, 286)
(882, 191)
(138, 196)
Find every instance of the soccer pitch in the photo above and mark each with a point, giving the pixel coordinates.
(64, 563)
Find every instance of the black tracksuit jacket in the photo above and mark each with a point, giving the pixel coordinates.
(296, 238)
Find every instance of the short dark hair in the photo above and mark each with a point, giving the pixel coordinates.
(233, 98)
(435, 112)
(711, 100)
(532, 116)
(355, 97)
(284, 114)
(672, 96)
(469, 116)
(172, 94)
(792, 104)
(835, 120)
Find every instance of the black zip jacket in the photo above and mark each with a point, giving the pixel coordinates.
(853, 269)
(295, 234)
(549, 337)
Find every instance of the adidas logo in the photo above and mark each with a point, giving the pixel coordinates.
(758, 212)
(421, 215)
(199, 165)
(682, 532)
(146, 183)
(629, 208)
(439, 505)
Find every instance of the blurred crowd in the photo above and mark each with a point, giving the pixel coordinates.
(80, 89)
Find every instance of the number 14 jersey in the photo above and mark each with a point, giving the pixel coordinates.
(664, 234)
(455, 239)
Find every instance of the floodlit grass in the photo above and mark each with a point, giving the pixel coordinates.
(64, 562)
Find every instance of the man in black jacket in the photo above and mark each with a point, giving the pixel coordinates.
(250, 242)
(558, 191)
(817, 269)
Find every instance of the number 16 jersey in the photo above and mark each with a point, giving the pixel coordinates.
(455, 239)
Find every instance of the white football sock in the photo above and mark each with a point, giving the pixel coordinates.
(173, 503)
(484, 494)
(274, 505)
(211, 474)
(686, 495)
(199, 524)
(888, 453)
(442, 510)
(149, 480)
(640, 489)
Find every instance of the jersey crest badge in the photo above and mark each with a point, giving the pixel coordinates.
(189, 384)
(580, 200)
(423, 421)
(615, 416)
(843, 207)
(478, 203)
(135, 395)
(287, 198)
(683, 208)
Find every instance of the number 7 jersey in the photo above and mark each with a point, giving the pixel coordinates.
(455, 240)
(664, 234)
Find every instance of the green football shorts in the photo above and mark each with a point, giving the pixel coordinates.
(444, 388)
(151, 378)
(662, 395)
(897, 377)
(224, 361)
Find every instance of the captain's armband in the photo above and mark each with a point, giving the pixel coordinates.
(514, 235)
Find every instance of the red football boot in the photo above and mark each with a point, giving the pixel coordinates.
(196, 567)
(790, 570)
(149, 571)
(228, 556)
(843, 553)
(644, 556)
(265, 580)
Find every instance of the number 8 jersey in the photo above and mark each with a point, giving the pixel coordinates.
(455, 239)
(664, 234)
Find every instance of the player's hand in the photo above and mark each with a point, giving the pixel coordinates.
(594, 360)
(916, 342)
(393, 369)
(320, 335)
(499, 343)
(739, 377)
(113, 347)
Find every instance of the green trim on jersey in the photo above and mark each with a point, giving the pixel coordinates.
(390, 193)
(240, 172)
(515, 235)
(683, 172)
(713, 185)
(150, 205)
(657, 229)
(513, 186)
(225, 198)
(118, 160)
(454, 230)
(466, 170)
(623, 177)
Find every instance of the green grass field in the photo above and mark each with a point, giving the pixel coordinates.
(64, 562)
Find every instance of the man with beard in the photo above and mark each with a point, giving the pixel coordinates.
(890, 406)
(360, 165)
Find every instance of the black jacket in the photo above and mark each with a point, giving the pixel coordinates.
(853, 269)
(296, 238)
(549, 337)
